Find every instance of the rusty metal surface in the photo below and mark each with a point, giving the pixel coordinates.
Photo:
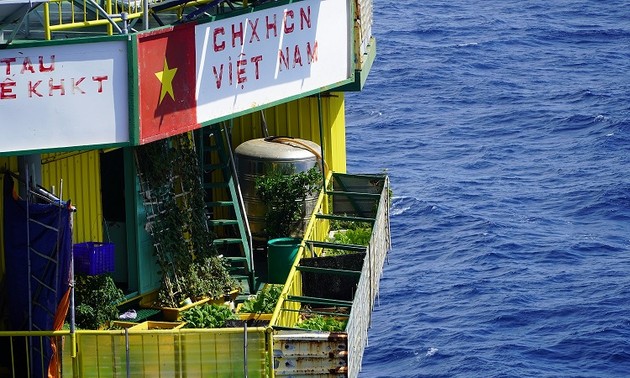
(299, 353)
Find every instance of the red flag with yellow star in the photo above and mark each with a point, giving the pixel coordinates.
(166, 76)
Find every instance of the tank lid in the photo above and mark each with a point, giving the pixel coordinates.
(283, 148)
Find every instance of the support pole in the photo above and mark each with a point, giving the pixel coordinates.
(321, 136)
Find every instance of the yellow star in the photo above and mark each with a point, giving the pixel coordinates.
(166, 78)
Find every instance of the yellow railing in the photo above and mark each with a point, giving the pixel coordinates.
(357, 198)
(77, 14)
(139, 353)
(286, 313)
(80, 14)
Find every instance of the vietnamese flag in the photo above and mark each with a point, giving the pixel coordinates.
(166, 79)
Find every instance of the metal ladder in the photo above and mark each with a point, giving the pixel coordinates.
(40, 286)
(224, 203)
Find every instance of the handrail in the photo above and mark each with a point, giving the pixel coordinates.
(66, 15)
(293, 272)
(104, 352)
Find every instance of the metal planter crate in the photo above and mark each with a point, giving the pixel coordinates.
(93, 258)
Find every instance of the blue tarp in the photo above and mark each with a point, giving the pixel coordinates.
(56, 245)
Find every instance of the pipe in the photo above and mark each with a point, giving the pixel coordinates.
(321, 135)
(287, 140)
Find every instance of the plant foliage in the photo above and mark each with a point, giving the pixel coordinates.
(283, 191)
(174, 197)
(96, 298)
(264, 302)
(207, 316)
(323, 323)
(357, 233)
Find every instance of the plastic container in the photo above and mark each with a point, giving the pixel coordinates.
(281, 254)
(93, 258)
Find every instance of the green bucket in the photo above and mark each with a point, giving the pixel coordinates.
(281, 253)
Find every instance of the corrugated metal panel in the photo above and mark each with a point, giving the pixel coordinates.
(80, 173)
(299, 353)
(300, 118)
(335, 136)
(172, 353)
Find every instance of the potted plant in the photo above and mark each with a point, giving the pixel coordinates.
(284, 193)
(261, 305)
(96, 298)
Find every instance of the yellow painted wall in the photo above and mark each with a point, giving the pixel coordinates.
(80, 172)
(300, 119)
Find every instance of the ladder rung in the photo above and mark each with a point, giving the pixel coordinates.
(340, 272)
(44, 284)
(220, 241)
(219, 204)
(344, 247)
(235, 259)
(240, 277)
(46, 309)
(322, 301)
(42, 255)
(43, 225)
(354, 194)
(344, 218)
(222, 222)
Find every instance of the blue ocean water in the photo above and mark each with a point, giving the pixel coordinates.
(505, 129)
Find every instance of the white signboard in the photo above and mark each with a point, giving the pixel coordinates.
(265, 56)
(63, 96)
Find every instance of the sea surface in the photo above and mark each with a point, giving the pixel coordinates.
(505, 129)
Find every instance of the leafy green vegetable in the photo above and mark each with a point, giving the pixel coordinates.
(323, 323)
(355, 236)
(264, 302)
(207, 316)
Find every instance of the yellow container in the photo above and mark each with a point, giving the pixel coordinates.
(171, 314)
(155, 325)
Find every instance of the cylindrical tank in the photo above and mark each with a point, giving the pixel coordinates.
(256, 157)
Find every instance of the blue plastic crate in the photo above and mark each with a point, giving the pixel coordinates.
(93, 258)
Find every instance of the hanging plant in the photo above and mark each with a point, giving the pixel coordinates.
(174, 198)
(284, 192)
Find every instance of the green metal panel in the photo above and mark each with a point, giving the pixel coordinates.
(134, 232)
(141, 260)
(134, 106)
